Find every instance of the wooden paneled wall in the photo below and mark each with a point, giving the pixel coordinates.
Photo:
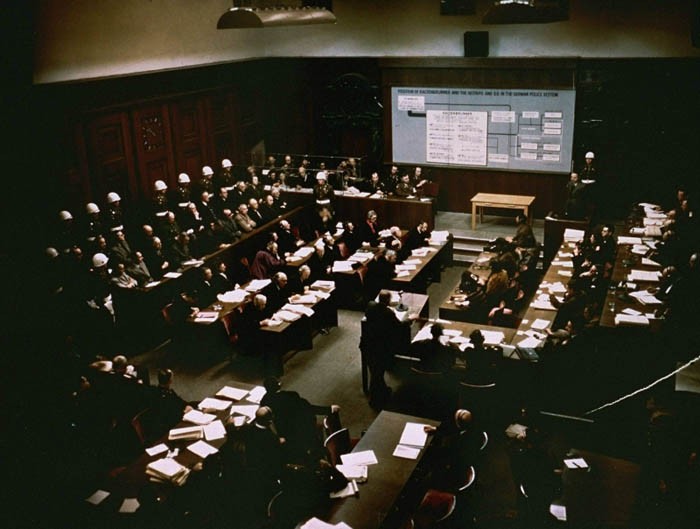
(126, 149)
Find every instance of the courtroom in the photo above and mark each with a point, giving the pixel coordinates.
(365, 264)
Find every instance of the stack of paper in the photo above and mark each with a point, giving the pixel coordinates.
(645, 298)
(256, 394)
(245, 410)
(210, 403)
(166, 469)
(492, 337)
(304, 251)
(419, 252)
(188, 432)
(197, 417)
(437, 237)
(298, 309)
(323, 284)
(286, 315)
(202, 449)
(206, 317)
(626, 319)
(343, 266)
(306, 298)
(356, 473)
(639, 249)
(407, 267)
(232, 296)
(257, 284)
(571, 234)
(232, 393)
(365, 457)
(542, 302)
(643, 275)
(629, 240)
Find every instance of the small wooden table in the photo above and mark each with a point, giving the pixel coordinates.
(493, 200)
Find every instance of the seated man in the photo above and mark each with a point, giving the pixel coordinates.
(266, 262)
(435, 355)
(255, 316)
(277, 292)
(368, 231)
(167, 407)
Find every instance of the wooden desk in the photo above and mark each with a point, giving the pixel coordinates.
(133, 482)
(380, 497)
(493, 200)
(399, 211)
(603, 495)
(429, 268)
(449, 310)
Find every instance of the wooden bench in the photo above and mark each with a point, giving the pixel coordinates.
(493, 200)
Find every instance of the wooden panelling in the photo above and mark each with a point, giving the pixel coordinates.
(110, 156)
(154, 153)
(189, 127)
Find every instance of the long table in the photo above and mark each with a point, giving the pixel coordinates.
(380, 498)
(398, 211)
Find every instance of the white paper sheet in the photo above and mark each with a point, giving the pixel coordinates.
(215, 430)
(202, 449)
(157, 449)
(98, 497)
(406, 452)
(232, 393)
(365, 457)
(413, 435)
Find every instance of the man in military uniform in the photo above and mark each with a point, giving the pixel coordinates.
(404, 187)
(323, 192)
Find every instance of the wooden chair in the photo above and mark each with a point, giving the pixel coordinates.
(141, 427)
(436, 507)
(476, 397)
(331, 424)
(469, 480)
(337, 444)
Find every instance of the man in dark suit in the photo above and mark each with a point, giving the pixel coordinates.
(380, 335)
(416, 238)
(167, 407)
(575, 207)
(277, 292)
(204, 291)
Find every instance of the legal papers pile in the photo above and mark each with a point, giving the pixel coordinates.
(167, 470)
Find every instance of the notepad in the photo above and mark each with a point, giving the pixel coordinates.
(365, 457)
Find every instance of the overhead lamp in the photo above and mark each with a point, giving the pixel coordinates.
(261, 16)
(527, 12)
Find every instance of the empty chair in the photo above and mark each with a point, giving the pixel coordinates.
(331, 424)
(435, 508)
(141, 426)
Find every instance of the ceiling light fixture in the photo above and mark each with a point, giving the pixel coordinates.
(260, 16)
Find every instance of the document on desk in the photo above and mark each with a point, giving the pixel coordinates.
(211, 403)
(414, 434)
(626, 319)
(622, 239)
(644, 275)
(232, 296)
(188, 432)
(232, 393)
(197, 417)
(99, 496)
(343, 266)
(247, 410)
(412, 262)
(357, 473)
(576, 462)
(286, 315)
(571, 234)
(306, 298)
(365, 457)
(419, 252)
(157, 449)
(215, 430)
(129, 505)
(540, 324)
(257, 284)
(315, 523)
(437, 237)
(403, 273)
(452, 332)
(202, 449)
(558, 511)
(349, 490)
(172, 275)
(493, 337)
(320, 294)
(256, 394)
(206, 316)
(649, 262)
(299, 309)
(530, 342)
(406, 452)
(304, 251)
(408, 267)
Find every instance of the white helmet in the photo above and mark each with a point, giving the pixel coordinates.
(99, 259)
(51, 252)
(159, 185)
(321, 175)
(183, 178)
(113, 197)
(92, 208)
(590, 155)
(207, 171)
(65, 215)
(226, 163)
